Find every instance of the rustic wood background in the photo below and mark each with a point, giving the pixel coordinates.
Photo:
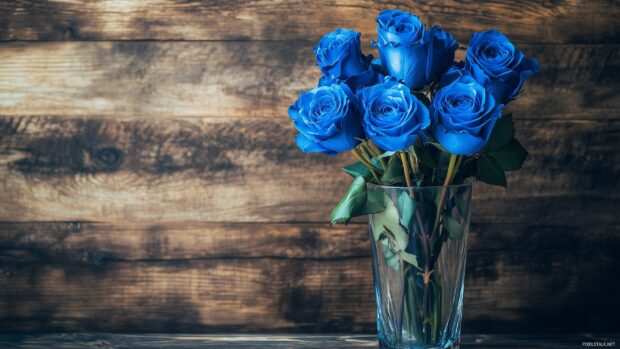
(149, 179)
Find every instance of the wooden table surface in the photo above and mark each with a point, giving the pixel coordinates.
(104, 340)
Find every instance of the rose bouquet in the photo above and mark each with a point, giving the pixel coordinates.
(420, 126)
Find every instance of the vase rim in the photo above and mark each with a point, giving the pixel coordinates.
(451, 186)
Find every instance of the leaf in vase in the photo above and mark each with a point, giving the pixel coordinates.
(490, 171)
(511, 156)
(410, 258)
(391, 257)
(388, 221)
(461, 205)
(406, 206)
(502, 133)
(453, 227)
(355, 203)
(399, 238)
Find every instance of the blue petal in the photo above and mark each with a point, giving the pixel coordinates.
(308, 146)
(458, 142)
(406, 63)
(394, 143)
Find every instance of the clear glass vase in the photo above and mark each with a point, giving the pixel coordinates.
(419, 245)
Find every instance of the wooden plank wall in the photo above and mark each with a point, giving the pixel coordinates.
(149, 179)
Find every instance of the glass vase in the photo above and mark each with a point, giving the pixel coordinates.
(419, 246)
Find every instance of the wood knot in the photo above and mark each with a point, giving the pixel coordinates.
(68, 34)
(109, 158)
(95, 257)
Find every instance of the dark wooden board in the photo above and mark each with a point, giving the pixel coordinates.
(154, 185)
(174, 341)
(95, 243)
(246, 170)
(564, 21)
(200, 278)
(250, 79)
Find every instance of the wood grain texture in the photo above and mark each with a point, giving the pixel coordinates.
(149, 179)
(250, 79)
(102, 277)
(563, 21)
(189, 170)
(295, 341)
(95, 243)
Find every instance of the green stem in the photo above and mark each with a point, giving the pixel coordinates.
(403, 158)
(459, 160)
(372, 148)
(367, 154)
(433, 334)
(413, 161)
(435, 282)
(361, 158)
(444, 189)
(457, 166)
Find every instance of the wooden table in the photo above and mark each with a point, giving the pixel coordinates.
(174, 341)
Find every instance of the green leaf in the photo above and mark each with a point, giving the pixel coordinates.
(438, 146)
(443, 161)
(399, 238)
(391, 257)
(453, 227)
(511, 156)
(426, 157)
(406, 206)
(375, 196)
(355, 203)
(358, 169)
(502, 133)
(386, 154)
(461, 205)
(387, 222)
(467, 169)
(411, 259)
(394, 172)
(490, 171)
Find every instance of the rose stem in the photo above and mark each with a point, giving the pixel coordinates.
(370, 154)
(444, 189)
(413, 162)
(359, 156)
(375, 150)
(403, 158)
(425, 248)
(458, 164)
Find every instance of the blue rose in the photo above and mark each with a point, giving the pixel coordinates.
(498, 65)
(464, 114)
(409, 52)
(340, 58)
(393, 117)
(327, 120)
